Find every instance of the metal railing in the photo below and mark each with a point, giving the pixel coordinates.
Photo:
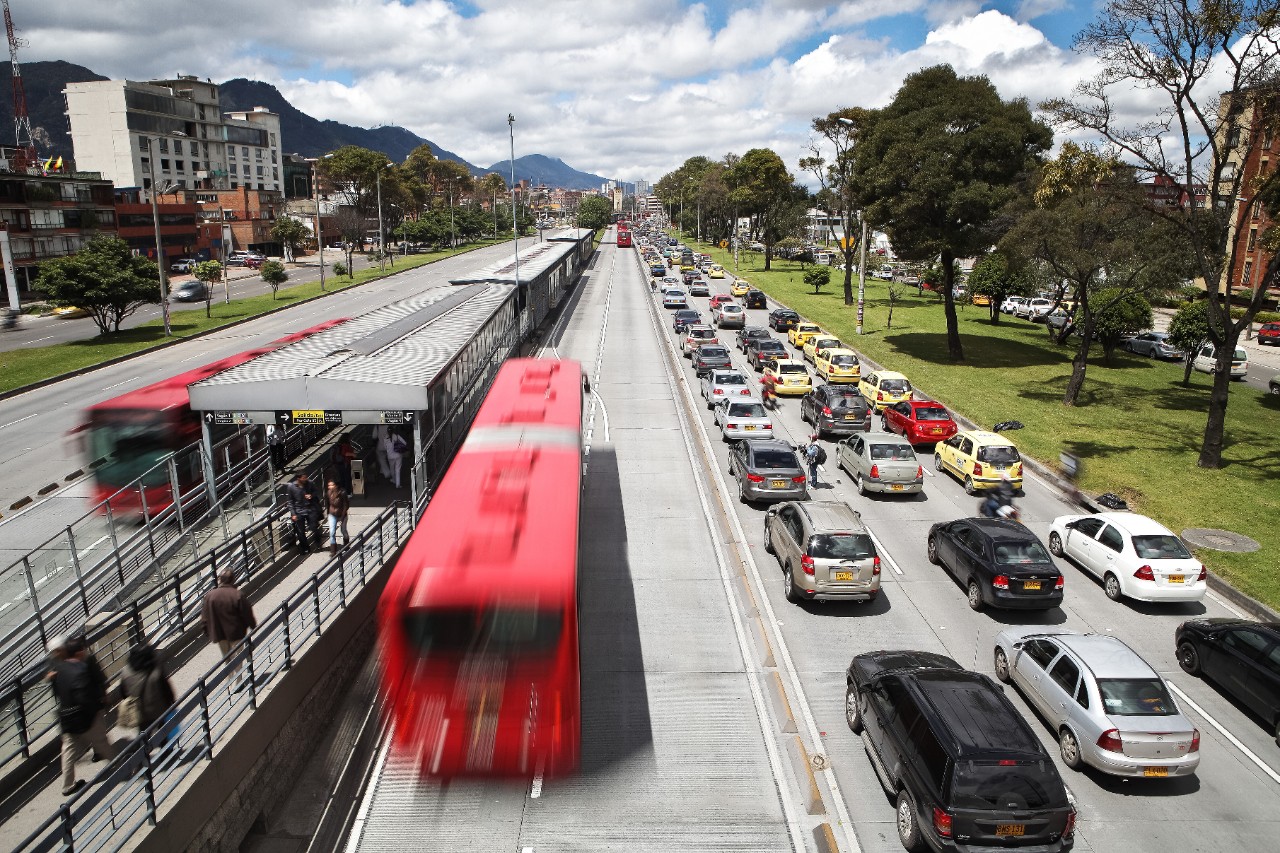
(136, 785)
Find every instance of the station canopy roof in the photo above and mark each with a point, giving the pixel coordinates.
(385, 360)
(535, 258)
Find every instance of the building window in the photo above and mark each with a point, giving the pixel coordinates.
(164, 165)
(235, 185)
(195, 165)
(272, 137)
(181, 166)
(235, 169)
(1256, 208)
(275, 174)
(146, 166)
(1268, 136)
(1253, 239)
(164, 145)
(244, 151)
(177, 146)
(1246, 278)
(259, 173)
(205, 147)
(257, 153)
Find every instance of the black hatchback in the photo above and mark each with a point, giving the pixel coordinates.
(998, 561)
(782, 319)
(685, 317)
(1241, 656)
(754, 299)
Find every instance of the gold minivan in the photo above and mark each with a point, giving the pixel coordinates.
(825, 551)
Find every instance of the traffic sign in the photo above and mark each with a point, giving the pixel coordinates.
(395, 417)
(228, 418)
(724, 244)
(309, 416)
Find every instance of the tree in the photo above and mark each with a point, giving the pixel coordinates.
(104, 278)
(1214, 64)
(594, 211)
(209, 272)
(350, 225)
(492, 185)
(1188, 330)
(935, 167)
(1126, 313)
(838, 131)
(817, 278)
(895, 295)
(273, 273)
(994, 277)
(291, 232)
(761, 187)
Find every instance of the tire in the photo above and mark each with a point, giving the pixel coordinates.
(884, 423)
(1189, 657)
(937, 462)
(1002, 665)
(852, 714)
(742, 494)
(862, 486)
(969, 488)
(1055, 545)
(1153, 355)
(1111, 586)
(908, 827)
(768, 540)
(932, 550)
(789, 585)
(974, 595)
(1069, 746)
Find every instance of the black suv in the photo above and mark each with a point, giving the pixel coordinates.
(754, 299)
(965, 769)
(999, 562)
(836, 409)
(782, 319)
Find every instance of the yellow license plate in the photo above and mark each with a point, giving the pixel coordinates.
(1031, 584)
(850, 417)
(1155, 771)
(748, 426)
(1009, 830)
(778, 484)
(895, 487)
(843, 576)
(1177, 578)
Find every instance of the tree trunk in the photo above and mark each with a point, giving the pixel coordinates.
(768, 255)
(995, 312)
(954, 348)
(1079, 365)
(848, 276)
(1215, 425)
(1186, 368)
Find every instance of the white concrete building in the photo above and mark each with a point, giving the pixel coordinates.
(172, 132)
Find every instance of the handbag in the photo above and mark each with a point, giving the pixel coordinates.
(127, 714)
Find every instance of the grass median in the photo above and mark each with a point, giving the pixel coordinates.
(19, 368)
(1137, 429)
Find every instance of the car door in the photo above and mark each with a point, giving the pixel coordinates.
(1030, 668)
(1081, 542)
(971, 557)
(1060, 689)
(853, 455)
(1241, 666)
(738, 460)
(1107, 550)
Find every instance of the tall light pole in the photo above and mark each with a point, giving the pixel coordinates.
(315, 192)
(453, 234)
(155, 219)
(515, 226)
(862, 270)
(382, 251)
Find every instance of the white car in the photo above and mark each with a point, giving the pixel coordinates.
(674, 297)
(731, 314)
(724, 385)
(1011, 303)
(1134, 556)
(742, 418)
(1034, 309)
(1206, 361)
(696, 335)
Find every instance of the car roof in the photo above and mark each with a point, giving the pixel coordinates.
(841, 351)
(889, 374)
(831, 515)
(1138, 525)
(1106, 656)
(1002, 529)
(770, 444)
(703, 326)
(781, 361)
(783, 311)
(985, 437)
(925, 404)
(968, 708)
(886, 438)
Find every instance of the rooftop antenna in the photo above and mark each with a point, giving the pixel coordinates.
(26, 156)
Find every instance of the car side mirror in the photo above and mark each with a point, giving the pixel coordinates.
(771, 513)
(1017, 647)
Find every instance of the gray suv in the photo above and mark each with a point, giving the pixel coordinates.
(767, 470)
(825, 551)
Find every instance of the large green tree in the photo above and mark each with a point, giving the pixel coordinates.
(831, 161)
(594, 211)
(997, 278)
(291, 232)
(104, 278)
(762, 188)
(935, 167)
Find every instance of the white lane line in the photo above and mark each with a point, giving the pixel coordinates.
(1228, 606)
(122, 382)
(595, 372)
(883, 552)
(38, 340)
(1248, 753)
(19, 420)
(535, 791)
(366, 802)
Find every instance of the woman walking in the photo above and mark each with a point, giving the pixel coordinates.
(338, 504)
(145, 684)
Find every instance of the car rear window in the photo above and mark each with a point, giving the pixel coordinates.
(847, 401)
(771, 346)
(997, 784)
(841, 546)
(713, 352)
(1135, 697)
(999, 454)
(701, 333)
(894, 452)
(1161, 547)
(844, 360)
(895, 386)
(731, 379)
(932, 414)
(775, 460)
(791, 368)
(746, 410)
(1020, 553)
(788, 315)
(730, 308)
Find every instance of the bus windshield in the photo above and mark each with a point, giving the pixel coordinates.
(507, 631)
(133, 442)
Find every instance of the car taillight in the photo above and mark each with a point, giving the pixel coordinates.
(1060, 582)
(1195, 741)
(874, 473)
(1001, 582)
(1204, 574)
(1070, 828)
(919, 472)
(745, 391)
(826, 410)
(718, 391)
(977, 469)
(755, 478)
(798, 480)
(1145, 574)
(941, 822)
(879, 395)
(1110, 741)
(806, 563)
(875, 565)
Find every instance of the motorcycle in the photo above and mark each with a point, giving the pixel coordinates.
(11, 319)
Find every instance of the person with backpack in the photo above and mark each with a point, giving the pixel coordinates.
(80, 688)
(145, 692)
(815, 455)
(341, 457)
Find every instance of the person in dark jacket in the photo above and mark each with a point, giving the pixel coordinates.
(80, 687)
(304, 511)
(338, 505)
(227, 617)
(145, 681)
(341, 456)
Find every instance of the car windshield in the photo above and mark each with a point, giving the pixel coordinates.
(999, 454)
(1135, 697)
(1162, 547)
(775, 460)
(996, 784)
(713, 352)
(932, 414)
(746, 410)
(892, 452)
(791, 368)
(844, 360)
(1020, 553)
(787, 315)
(895, 386)
(841, 546)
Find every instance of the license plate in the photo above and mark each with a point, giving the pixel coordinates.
(748, 426)
(935, 432)
(1155, 771)
(850, 417)
(1010, 830)
(843, 576)
(1031, 585)
(1177, 578)
(895, 487)
(777, 484)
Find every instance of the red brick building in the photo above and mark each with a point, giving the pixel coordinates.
(135, 221)
(1255, 152)
(248, 215)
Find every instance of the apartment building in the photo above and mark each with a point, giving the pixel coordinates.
(1255, 151)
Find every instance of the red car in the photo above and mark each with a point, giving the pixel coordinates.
(1269, 334)
(919, 421)
(720, 299)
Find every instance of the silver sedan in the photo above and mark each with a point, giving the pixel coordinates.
(724, 385)
(742, 418)
(1107, 706)
(1154, 344)
(881, 462)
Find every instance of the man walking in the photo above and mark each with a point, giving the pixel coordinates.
(275, 446)
(304, 511)
(814, 455)
(338, 504)
(227, 617)
(80, 687)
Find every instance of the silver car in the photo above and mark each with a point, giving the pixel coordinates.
(1153, 344)
(881, 462)
(1107, 706)
(731, 314)
(739, 419)
(767, 470)
(825, 551)
(724, 385)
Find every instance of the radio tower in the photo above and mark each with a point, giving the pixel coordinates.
(26, 154)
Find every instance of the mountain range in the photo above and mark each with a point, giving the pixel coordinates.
(300, 133)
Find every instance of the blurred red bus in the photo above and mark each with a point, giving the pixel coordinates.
(478, 624)
(624, 235)
(135, 431)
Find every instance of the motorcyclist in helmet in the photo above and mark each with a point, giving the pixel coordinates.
(999, 503)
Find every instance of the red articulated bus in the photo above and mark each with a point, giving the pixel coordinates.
(136, 430)
(478, 624)
(624, 235)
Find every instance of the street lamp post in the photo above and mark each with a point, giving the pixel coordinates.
(453, 233)
(155, 219)
(862, 269)
(382, 251)
(315, 192)
(515, 226)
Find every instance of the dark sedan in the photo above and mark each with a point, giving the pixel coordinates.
(836, 409)
(754, 299)
(782, 319)
(1241, 657)
(999, 562)
(684, 318)
(761, 353)
(747, 333)
(710, 356)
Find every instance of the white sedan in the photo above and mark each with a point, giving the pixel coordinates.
(724, 384)
(742, 418)
(1134, 556)
(674, 297)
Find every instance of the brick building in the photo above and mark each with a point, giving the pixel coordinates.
(136, 223)
(245, 215)
(1255, 149)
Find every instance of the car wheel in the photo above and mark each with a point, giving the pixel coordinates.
(937, 462)
(884, 423)
(1002, 665)
(1070, 749)
(908, 829)
(969, 488)
(862, 486)
(1055, 544)
(768, 540)
(789, 585)
(1154, 356)
(742, 493)
(1189, 657)
(933, 551)
(1111, 585)
(975, 595)
(852, 715)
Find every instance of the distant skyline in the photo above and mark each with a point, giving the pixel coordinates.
(624, 90)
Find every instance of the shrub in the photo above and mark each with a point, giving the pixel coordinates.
(339, 268)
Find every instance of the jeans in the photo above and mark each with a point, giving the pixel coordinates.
(334, 524)
(813, 470)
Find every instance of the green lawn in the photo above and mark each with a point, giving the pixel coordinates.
(23, 367)
(1136, 428)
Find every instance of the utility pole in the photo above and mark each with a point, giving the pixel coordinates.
(155, 218)
(515, 224)
(862, 270)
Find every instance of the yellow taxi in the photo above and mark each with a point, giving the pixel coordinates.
(790, 376)
(688, 268)
(980, 299)
(837, 365)
(819, 342)
(884, 388)
(801, 332)
(740, 287)
(979, 458)
(69, 312)
(716, 271)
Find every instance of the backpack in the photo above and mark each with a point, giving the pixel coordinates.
(821, 455)
(398, 444)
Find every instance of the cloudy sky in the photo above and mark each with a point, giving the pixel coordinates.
(622, 89)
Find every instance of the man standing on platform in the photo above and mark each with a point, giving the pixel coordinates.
(304, 511)
(227, 618)
(80, 687)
